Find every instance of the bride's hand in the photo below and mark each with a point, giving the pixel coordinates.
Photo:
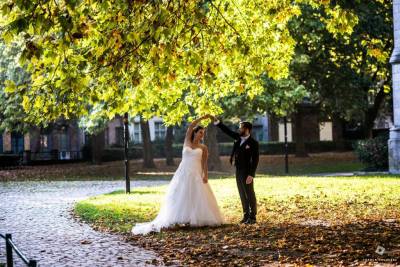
(205, 179)
(211, 117)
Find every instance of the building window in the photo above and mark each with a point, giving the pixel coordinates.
(64, 139)
(282, 132)
(159, 130)
(119, 135)
(17, 143)
(383, 122)
(44, 142)
(137, 133)
(106, 137)
(325, 131)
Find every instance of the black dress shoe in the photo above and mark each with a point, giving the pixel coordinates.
(251, 221)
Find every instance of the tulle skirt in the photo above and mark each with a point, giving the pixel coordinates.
(187, 201)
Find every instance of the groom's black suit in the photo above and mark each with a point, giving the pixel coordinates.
(245, 158)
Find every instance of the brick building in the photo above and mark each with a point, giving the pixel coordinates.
(61, 140)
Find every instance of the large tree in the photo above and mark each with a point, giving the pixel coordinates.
(165, 58)
(347, 75)
(148, 155)
(168, 146)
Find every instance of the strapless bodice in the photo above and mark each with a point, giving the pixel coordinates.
(191, 157)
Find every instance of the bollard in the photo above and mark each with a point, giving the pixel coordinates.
(32, 263)
(9, 252)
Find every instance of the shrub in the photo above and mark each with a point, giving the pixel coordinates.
(8, 159)
(225, 149)
(373, 153)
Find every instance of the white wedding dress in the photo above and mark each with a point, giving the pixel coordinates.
(188, 200)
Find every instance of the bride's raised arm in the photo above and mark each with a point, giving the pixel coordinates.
(189, 131)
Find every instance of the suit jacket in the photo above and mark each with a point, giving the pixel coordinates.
(245, 156)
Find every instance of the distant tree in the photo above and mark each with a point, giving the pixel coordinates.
(347, 75)
(12, 73)
(168, 146)
(148, 155)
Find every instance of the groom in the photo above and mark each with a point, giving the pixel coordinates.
(245, 156)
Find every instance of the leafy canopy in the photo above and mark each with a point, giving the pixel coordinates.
(156, 57)
(12, 74)
(343, 73)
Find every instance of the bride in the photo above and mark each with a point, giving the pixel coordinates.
(189, 198)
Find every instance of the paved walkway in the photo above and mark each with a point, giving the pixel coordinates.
(345, 174)
(37, 214)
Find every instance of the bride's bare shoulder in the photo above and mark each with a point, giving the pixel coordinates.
(204, 147)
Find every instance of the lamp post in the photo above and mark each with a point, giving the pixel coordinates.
(394, 140)
(126, 159)
(286, 145)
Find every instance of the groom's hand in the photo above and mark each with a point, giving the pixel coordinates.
(249, 179)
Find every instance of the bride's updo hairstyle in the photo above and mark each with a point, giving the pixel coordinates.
(195, 130)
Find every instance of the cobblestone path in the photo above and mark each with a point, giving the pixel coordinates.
(37, 214)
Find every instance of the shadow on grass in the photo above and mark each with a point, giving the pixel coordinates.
(354, 243)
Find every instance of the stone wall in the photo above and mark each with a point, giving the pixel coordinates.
(394, 141)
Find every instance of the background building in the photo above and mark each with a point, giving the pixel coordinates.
(62, 140)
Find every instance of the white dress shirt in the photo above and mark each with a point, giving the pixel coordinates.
(243, 139)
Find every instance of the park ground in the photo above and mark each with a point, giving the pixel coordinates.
(269, 165)
(304, 218)
(336, 221)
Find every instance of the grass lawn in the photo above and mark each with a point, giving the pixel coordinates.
(301, 220)
(313, 168)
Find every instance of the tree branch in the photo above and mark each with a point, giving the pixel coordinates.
(223, 17)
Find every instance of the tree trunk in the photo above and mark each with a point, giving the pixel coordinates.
(148, 159)
(273, 128)
(97, 141)
(372, 113)
(214, 161)
(299, 136)
(168, 149)
(35, 136)
(337, 125)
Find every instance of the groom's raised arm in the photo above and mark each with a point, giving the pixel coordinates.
(226, 130)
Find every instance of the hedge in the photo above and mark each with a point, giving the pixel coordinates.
(373, 153)
(266, 148)
(7, 160)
